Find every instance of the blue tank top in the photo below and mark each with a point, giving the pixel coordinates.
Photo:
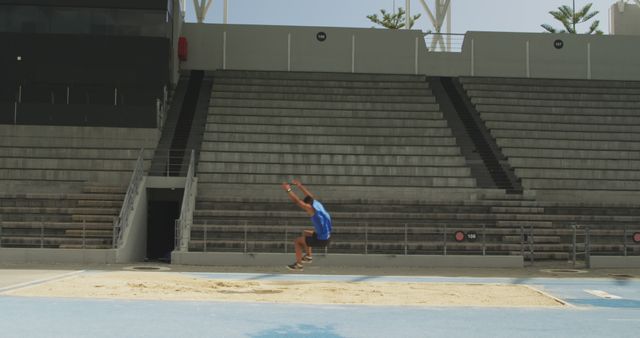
(321, 221)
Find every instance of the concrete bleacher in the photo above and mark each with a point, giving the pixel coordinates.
(564, 136)
(344, 131)
(61, 187)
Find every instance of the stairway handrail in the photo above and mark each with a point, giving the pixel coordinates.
(120, 222)
(183, 224)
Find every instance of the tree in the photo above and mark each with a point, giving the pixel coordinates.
(570, 18)
(393, 20)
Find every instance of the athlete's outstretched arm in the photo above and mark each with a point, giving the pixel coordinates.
(294, 198)
(303, 188)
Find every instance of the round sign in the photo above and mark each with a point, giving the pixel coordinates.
(472, 236)
(636, 237)
(558, 44)
(321, 36)
(459, 236)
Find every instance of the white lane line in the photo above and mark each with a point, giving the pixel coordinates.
(546, 294)
(39, 281)
(602, 294)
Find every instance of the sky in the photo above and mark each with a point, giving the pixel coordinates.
(467, 15)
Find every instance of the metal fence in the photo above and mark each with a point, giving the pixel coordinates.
(444, 42)
(183, 224)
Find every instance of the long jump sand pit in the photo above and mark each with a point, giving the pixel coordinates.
(177, 286)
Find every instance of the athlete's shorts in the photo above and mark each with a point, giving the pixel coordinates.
(314, 242)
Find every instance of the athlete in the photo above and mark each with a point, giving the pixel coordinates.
(317, 238)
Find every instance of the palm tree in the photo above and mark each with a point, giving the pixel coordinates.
(570, 18)
(393, 20)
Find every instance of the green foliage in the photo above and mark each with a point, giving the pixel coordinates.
(570, 19)
(395, 20)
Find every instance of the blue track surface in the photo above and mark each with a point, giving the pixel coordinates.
(592, 316)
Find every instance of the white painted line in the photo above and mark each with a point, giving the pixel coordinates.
(563, 302)
(602, 294)
(39, 281)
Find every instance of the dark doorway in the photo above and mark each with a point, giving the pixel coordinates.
(163, 210)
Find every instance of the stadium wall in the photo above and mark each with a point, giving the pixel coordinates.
(366, 50)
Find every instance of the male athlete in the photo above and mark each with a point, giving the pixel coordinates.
(317, 238)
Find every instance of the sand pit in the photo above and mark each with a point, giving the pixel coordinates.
(173, 286)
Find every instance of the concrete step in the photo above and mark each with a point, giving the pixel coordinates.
(558, 110)
(566, 135)
(572, 154)
(326, 122)
(72, 164)
(326, 113)
(290, 137)
(255, 103)
(557, 88)
(342, 180)
(328, 130)
(563, 119)
(551, 82)
(582, 174)
(56, 210)
(517, 210)
(78, 153)
(331, 169)
(556, 103)
(425, 97)
(316, 76)
(319, 90)
(328, 83)
(425, 150)
(335, 159)
(566, 96)
(574, 184)
(533, 144)
(555, 126)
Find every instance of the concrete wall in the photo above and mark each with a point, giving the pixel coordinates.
(625, 19)
(273, 259)
(134, 243)
(364, 50)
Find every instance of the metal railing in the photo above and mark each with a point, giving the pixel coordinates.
(61, 94)
(167, 162)
(444, 42)
(38, 236)
(120, 222)
(366, 238)
(183, 224)
(612, 240)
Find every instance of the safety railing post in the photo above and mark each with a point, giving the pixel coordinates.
(0, 234)
(168, 160)
(406, 239)
(531, 258)
(84, 233)
(366, 238)
(245, 236)
(587, 251)
(115, 96)
(574, 244)
(204, 248)
(41, 235)
(286, 237)
(522, 241)
(68, 94)
(176, 234)
(624, 240)
(15, 112)
(484, 240)
(444, 238)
